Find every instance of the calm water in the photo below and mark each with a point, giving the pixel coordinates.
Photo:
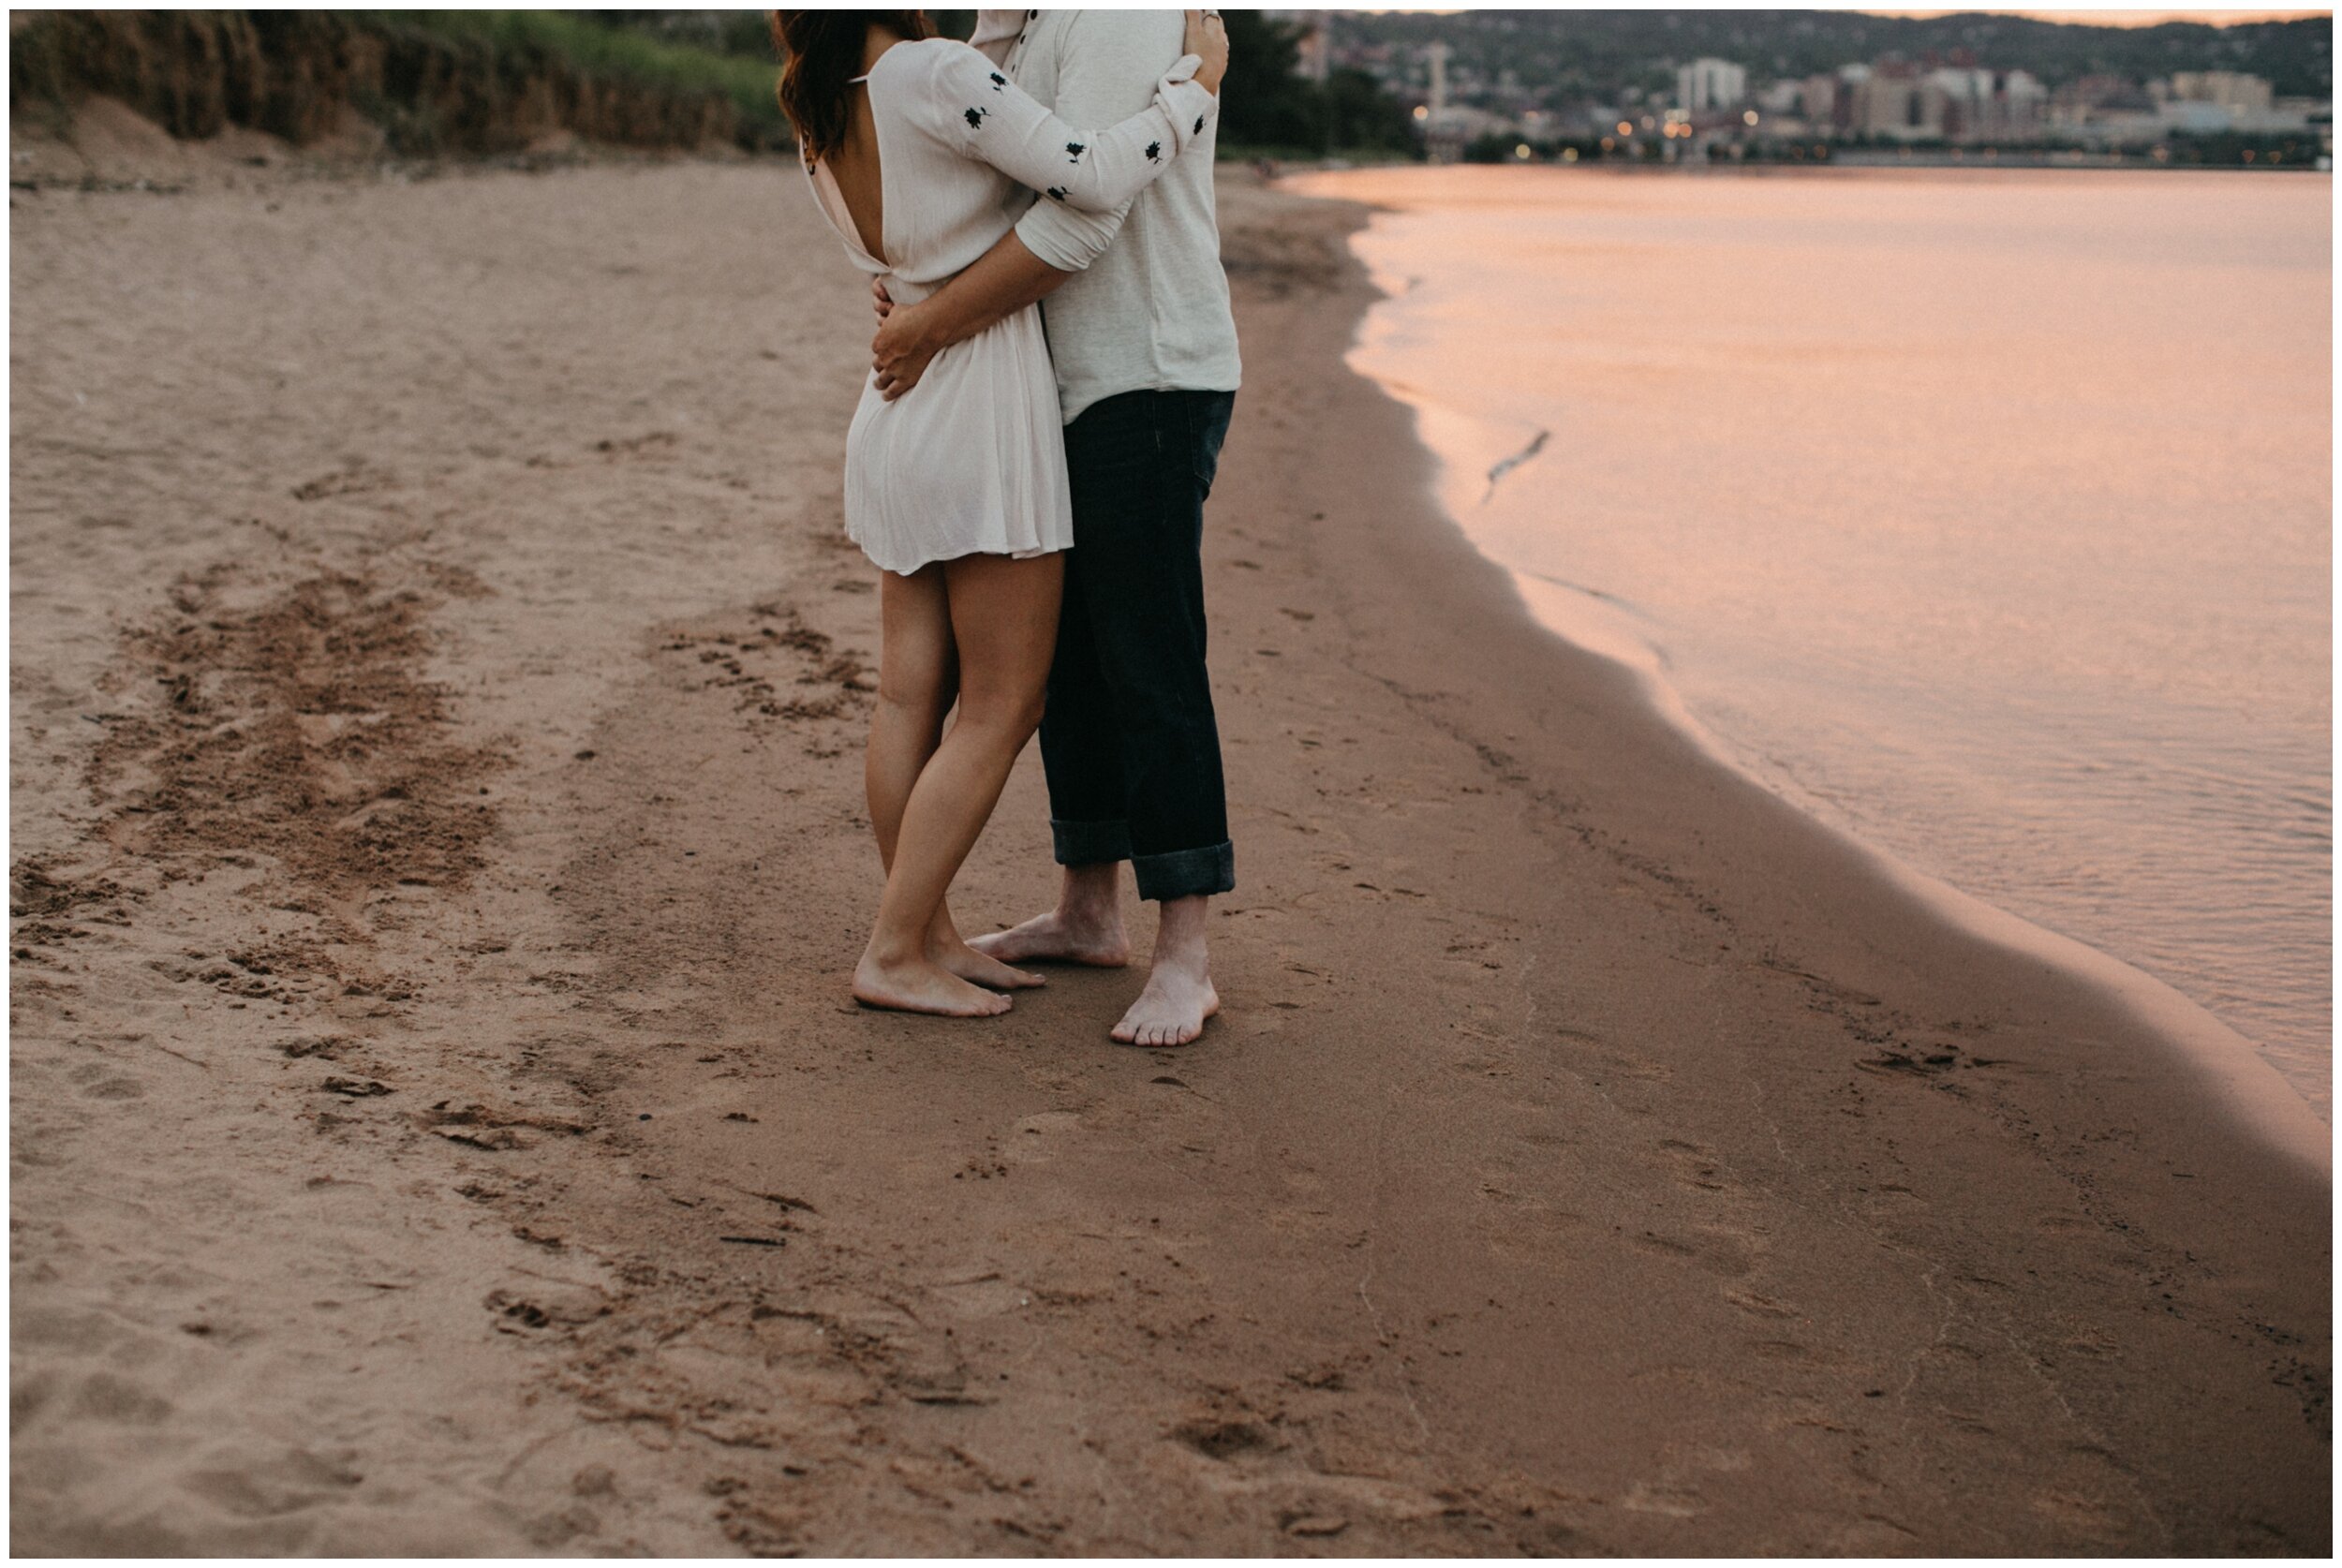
(1986, 514)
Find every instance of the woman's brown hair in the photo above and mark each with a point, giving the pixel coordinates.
(820, 52)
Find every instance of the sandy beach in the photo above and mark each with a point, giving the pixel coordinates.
(440, 1124)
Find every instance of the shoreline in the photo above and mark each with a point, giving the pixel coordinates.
(2262, 1102)
(2257, 1093)
(467, 1145)
(2232, 1065)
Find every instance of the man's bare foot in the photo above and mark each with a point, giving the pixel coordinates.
(922, 986)
(970, 965)
(1056, 937)
(1171, 1010)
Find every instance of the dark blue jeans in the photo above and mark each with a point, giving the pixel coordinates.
(1128, 738)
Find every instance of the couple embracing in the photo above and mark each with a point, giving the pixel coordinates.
(1034, 500)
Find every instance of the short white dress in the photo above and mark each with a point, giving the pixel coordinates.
(972, 459)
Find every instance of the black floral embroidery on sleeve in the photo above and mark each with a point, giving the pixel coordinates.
(1072, 152)
(1057, 193)
(1154, 152)
(975, 118)
(998, 81)
(1199, 124)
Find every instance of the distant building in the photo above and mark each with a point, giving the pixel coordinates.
(1710, 83)
(1446, 128)
(2024, 106)
(2205, 101)
(1895, 101)
(1817, 100)
(2234, 90)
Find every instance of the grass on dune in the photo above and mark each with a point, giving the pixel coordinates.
(597, 48)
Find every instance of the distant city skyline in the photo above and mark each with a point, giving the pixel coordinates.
(2082, 16)
(1837, 82)
(2085, 17)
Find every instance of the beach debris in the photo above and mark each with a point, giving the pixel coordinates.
(1508, 465)
(494, 1130)
(494, 1140)
(1220, 1440)
(544, 1303)
(1317, 1524)
(784, 1201)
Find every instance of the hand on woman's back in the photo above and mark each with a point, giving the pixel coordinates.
(1208, 40)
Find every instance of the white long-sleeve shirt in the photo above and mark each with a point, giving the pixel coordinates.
(963, 152)
(1150, 307)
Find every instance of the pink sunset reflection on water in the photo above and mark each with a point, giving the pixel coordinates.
(1985, 513)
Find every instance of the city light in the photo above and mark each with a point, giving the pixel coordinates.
(1626, 127)
(1749, 118)
(1422, 112)
(1522, 151)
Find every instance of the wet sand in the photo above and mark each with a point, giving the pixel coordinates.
(440, 1124)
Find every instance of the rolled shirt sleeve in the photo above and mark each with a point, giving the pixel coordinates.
(1109, 70)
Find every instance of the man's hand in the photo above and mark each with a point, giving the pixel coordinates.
(991, 288)
(900, 353)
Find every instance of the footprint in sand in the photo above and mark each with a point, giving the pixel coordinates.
(280, 1484)
(1695, 1166)
(104, 1397)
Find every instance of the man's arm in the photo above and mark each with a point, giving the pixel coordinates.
(991, 288)
(1106, 73)
(1107, 67)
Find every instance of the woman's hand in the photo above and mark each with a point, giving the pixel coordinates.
(1208, 40)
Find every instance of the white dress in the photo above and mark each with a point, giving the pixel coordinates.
(972, 459)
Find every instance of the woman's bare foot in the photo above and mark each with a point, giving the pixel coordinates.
(1056, 938)
(970, 965)
(923, 985)
(1171, 1010)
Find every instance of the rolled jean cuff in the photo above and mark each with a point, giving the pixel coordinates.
(1089, 843)
(1186, 873)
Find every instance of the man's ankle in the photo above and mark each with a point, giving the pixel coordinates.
(1092, 896)
(1182, 934)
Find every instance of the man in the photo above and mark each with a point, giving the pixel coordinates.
(1146, 352)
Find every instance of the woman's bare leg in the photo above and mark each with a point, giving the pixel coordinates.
(1003, 622)
(918, 681)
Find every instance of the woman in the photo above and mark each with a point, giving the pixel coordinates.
(922, 155)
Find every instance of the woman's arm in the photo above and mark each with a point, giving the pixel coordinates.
(987, 117)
